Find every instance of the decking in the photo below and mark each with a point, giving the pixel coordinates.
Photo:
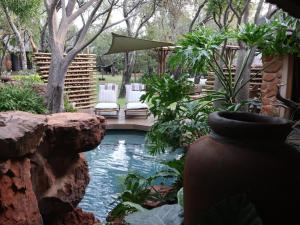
(122, 123)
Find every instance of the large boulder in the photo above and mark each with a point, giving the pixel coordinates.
(67, 190)
(20, 133)
(18, 203)
(71, 133)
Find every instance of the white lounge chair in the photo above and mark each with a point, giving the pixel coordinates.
(107, 105)
(134, 106)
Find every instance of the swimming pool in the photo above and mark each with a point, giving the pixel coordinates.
(119, 153)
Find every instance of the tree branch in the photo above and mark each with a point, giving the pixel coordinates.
(197, 15)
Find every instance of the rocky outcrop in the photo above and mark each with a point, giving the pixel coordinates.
(43, 176)
(20, 133)
(71, 133)
(18, 204)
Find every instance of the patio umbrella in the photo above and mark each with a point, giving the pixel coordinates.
(122, 43)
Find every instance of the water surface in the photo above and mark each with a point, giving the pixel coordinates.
(119, 153)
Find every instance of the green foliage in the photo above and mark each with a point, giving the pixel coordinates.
(30, 79)
(68, 106)
(25, 9)
(272, 38)
(164, 92)
(21, 97)
(137, 191)
(197, 48)
(179, 121)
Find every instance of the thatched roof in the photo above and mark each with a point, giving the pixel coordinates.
(290, 6)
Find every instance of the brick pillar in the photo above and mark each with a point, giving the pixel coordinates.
(277, 71)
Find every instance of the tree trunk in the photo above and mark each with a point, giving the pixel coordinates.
(19, 38)
(129, 64)
(56, 80)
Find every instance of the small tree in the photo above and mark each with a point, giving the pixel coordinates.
(16, 13)
(61, 16)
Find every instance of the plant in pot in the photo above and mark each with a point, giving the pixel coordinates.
(244, 154)
(279, 42)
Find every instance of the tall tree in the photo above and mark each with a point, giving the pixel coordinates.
(143, 11)
(16, 13)
(61, 17)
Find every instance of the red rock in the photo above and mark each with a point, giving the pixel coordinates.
(67, 190)
(76, 217)
(20, 133)
(18, 204)
(71, 133)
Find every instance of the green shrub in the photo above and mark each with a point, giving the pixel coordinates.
(33, 78)
(68, 106)
(22, 98)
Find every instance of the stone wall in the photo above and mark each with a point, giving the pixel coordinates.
(277, 72)
(43, 173)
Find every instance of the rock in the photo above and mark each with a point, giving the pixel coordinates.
(76, 217)
(18, 204)
(71, 133)
(20, 133)
(42, 176)
(67, 190)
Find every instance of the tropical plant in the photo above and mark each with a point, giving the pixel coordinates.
(179, 120)
(201, 51)
(277, 37)
(197, 48)
(137, 190)
(21, 97)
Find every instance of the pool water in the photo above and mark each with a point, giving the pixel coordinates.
(119, 153)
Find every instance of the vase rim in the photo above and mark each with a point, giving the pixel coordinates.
(242, 125)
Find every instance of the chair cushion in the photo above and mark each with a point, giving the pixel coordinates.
(136, 105)
(134, 96)
(107, 106)
(108, 96)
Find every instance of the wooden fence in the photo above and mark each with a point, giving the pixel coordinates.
(80, 82)
(255, 83)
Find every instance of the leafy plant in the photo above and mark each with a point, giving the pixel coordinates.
(137, 191)
(179, 120)
(21, 97)
(30, 79)
(68, 106)
(276, 37)
(197, 48)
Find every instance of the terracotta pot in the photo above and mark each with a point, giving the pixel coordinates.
(244, 154)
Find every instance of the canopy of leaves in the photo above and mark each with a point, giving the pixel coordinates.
(197, 48)
(275, 37)
(24, 9)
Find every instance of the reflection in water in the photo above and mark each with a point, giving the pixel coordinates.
(120, 152)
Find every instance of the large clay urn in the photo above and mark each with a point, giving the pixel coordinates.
(244, 154)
